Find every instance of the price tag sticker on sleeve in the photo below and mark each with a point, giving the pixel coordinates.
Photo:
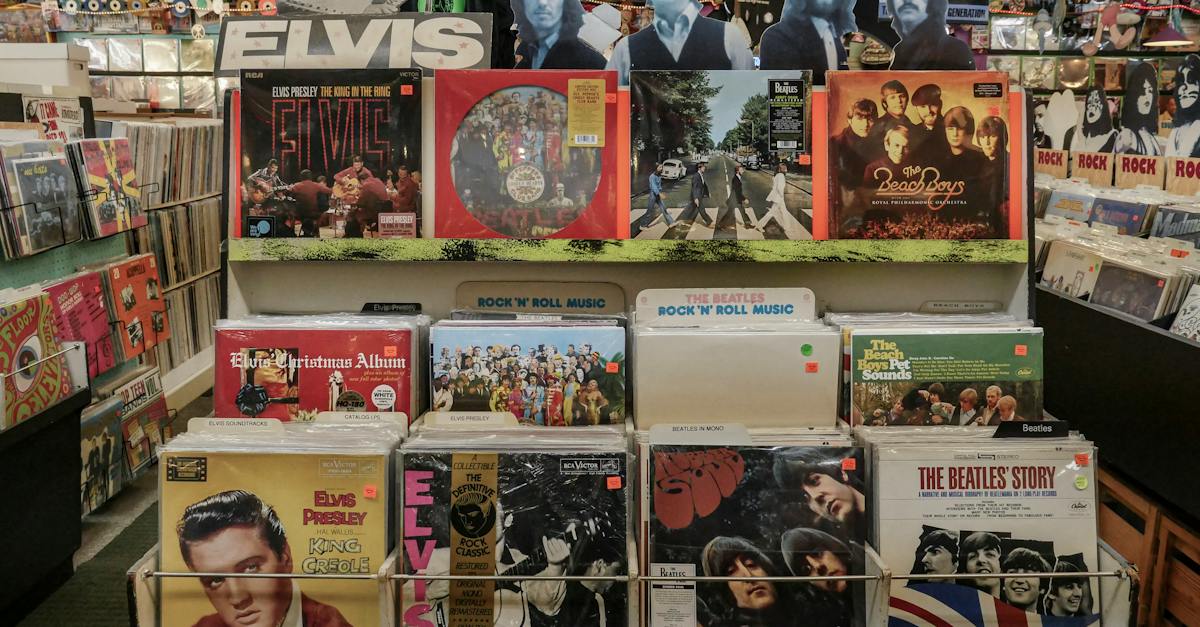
(849, 463)
(614, 483)
(586, 99)
(370, 491)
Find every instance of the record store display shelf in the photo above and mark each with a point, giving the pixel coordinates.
(632, 251)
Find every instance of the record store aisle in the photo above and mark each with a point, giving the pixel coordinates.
(114, 537)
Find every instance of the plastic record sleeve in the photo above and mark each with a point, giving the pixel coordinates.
(517, 164)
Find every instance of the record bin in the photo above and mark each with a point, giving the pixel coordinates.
(1123, 382)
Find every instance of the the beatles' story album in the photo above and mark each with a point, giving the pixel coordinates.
(515, 514)
(975, 377)
(921, 155)
(293, 374)
(262, 512)
(1026, 509)
(721, 151)
(527, 154)
(324, 153)
(765, 511)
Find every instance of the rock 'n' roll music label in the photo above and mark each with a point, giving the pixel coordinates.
(1052, 162)
(1134, 170)
(1183, 175)
(1094, 167)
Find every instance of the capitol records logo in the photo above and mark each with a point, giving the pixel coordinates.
(920, 181)
(525, 183)
(589, 466)
(1025, 372)
(1081, 506)
(985, 456)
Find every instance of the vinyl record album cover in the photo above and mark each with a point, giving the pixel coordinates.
(768, 511)
(1130, 217)
(527, 154)
(292, 374)
(515, 514)
(272, 512)
(107, 176)
(41, 196)
(1135, 291)
(963, 511)
(1187, 320)
(1071, 269)
(545, 375)
(80, 315)
(34, 378)
(325, 153)
(1177, 222)
(100, 446)
(135, 291)
(921, 155)
(721, 154)
(143, 412)
(1070, 205)
(970, 377)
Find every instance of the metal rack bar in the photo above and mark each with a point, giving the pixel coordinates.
(1120, 574)
(173, 575)
(41, 361)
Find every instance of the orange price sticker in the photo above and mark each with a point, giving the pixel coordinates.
(1082, 459)
(812, 366)
(614, 483)
(612, 367)
(1021, 350)
(849, 464)
(370, 491)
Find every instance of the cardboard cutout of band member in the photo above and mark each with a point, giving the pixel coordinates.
(1139, 112)
(681, 39)
(549, 31)
(924, 42)
(809, 37)
(1184, 140)
(1095, 132)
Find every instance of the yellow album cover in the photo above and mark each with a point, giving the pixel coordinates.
(272, 512)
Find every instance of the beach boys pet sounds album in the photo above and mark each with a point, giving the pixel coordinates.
(527, 154)
(327, 154)
(922, 155)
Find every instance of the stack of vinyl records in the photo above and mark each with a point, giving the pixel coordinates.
(177, 159)
(947, 502)
(904, 369)
(108, 183)
(40, 203)
(185, 239)
(135, 304)
(33, 374)
(144, 416)
(192, 309)
(553, 373)
(517, 502)
(300, 498)
(787, 502)
(293, 367)
(1145, 279)
(100, 448)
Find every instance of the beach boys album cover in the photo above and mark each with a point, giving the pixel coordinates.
(921, 155)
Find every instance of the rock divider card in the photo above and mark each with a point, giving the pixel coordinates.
(922, 155)
(527, 154)
(329, 154)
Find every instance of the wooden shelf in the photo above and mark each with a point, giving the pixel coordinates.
(630, 251)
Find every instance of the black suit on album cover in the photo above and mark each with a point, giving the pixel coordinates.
(565, 54)
(794, 44)
(695, 207)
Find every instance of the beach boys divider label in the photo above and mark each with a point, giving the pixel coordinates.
(410, 40)
(542, 297)
(689, 307)
(473, 520)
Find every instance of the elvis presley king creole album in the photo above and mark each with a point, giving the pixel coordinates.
(328, 153)
(316, 509)
(969, 376)
(767, 511)
(922, 155)
(292, 368)
(1028, 508)
(543, 513)
(527, 154)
